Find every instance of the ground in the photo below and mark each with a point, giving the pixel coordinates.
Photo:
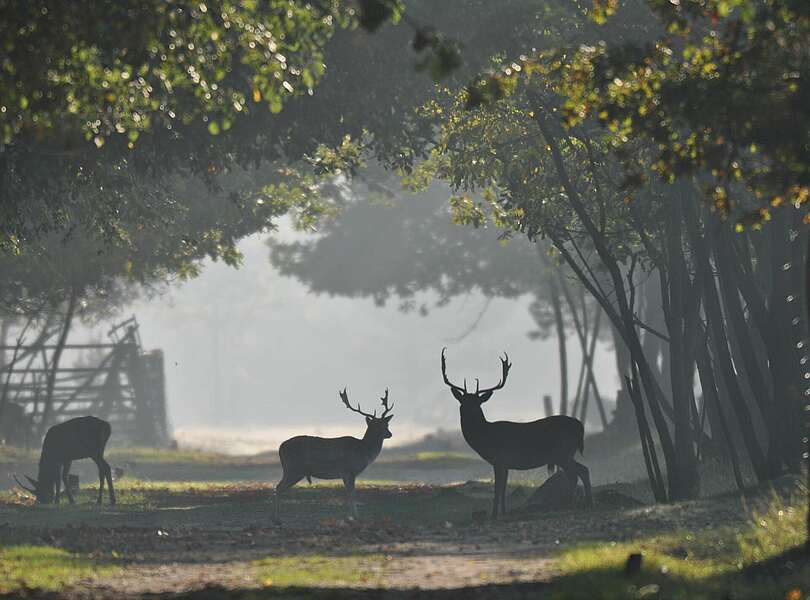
(213, 535)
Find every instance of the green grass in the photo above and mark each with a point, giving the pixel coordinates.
(697, 565)
(321, 571)
(45, 567)
(168, 456)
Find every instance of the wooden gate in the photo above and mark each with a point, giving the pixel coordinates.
(45, 383)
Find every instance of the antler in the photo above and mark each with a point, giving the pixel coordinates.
(444, 374)
(505, 366)
(345, 397)
(385, 404)
(26, 488)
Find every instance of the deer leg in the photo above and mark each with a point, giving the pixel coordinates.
(284, 484)
(499, 476)
(585, 476)
(100, 481)
(57, 484)
(108, 476)
(348, 482)
(574, 470)
(505, 491)
(65, 474)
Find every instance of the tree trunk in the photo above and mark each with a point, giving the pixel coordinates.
(47, 408)
(714, 319)
(559, 323)
(806, 428)
(684, 481)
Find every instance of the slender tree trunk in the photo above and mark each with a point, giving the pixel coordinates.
(714, 318)
(743, 349)
(581, 327)
(685, 481)
(806, 424)
(47, 408)
(559, 323)
(619, 308)
(712, 400)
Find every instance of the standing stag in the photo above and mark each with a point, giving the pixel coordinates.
(506, 445)
(83, 437)
(334, 458)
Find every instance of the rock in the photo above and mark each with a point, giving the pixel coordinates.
(519, 493)
(556, 492)
(633, 564)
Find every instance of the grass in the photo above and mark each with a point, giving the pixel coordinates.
(704, 564)
(321, 571)
(45, 567)
(11, 454)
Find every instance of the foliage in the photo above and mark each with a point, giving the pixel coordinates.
(83, 67)
(723, 92)
(395, 244)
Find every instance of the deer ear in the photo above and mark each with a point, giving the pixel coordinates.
(369, 420)
(484, 397)
(457, 394)
(388, 418)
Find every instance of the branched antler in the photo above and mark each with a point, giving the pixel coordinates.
(345, 397)
(23, 486)
(388, 408)
(505, 366)
(444, 374)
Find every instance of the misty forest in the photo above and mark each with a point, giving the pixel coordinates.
(405, 299)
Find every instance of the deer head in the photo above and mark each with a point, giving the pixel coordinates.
(479, 396)
(377, 426)
(43, 493)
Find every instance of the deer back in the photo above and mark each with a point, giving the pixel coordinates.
(82, 437)
(551, 440)
(326, 458)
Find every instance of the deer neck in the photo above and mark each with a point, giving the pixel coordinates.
(48, 470)
(473, 423)
(373, 443)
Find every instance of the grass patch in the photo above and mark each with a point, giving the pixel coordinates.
(10, 454)
(45, 567)
(168, 456)
(704, 564)
(321, 571)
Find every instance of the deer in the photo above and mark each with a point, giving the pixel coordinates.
(552, 441)
(75, 439)
(334, 458)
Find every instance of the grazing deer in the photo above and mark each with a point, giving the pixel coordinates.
(334, 458)
(83, 437)
(507, 445)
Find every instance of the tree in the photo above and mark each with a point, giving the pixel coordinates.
(565, 188)
(389, 244)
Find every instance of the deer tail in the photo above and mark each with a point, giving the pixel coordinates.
(309, 480)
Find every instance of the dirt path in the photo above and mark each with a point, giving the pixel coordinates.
(222, 538)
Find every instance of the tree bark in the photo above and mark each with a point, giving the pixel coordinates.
(559, 322)
(714, 319)
(47, 408)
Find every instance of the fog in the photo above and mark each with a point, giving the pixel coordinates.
(252, 357)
